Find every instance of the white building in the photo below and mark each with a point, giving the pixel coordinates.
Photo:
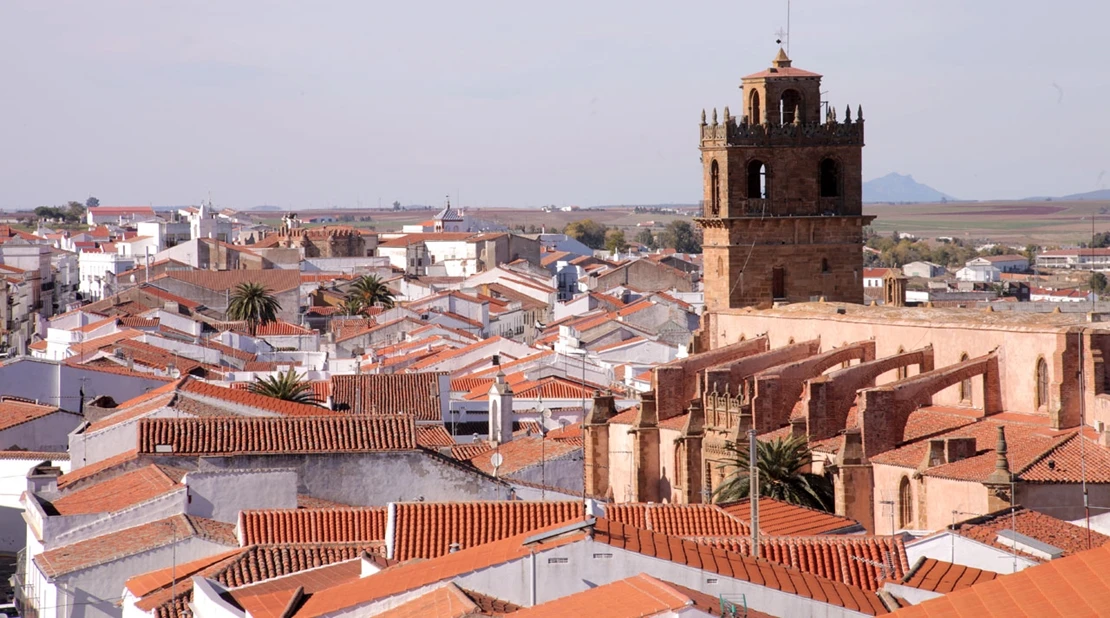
(1082, 259)
(1004, 263)
(923, 269)
(98, 270)
(979, 273)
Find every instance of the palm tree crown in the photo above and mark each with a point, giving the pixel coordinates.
(780, 463)
(286, 386)
(254, 304)
(370, 291)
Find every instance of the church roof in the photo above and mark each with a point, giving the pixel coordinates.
(780, 67)
(448, 214)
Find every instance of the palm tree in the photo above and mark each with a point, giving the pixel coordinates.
(254, 304)
(286, 386)
(370, 291)
(780, 466)
(350, 306)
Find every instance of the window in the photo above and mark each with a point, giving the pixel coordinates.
(757, 180)
(1042, 383)
(905, 504)
(754, 116)
(714, 189)
(778, 282)
(789, 104)
(830, 178)
(965, 386)
(824, 265)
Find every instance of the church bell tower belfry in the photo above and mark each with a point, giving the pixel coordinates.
(783, 211)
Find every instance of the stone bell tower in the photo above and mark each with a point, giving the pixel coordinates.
(782, 216)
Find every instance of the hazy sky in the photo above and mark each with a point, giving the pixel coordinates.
(525, 103)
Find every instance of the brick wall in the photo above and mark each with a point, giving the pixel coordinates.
(676, 382)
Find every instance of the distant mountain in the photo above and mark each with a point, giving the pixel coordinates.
(901, 189)
(266, 207)
(1101, 194)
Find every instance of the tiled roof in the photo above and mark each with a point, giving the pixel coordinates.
(273, 598)
(1077, 585)
(85, 472)
(849, 559)
(15, 453)
(639, 595)
(165, 296)
(336, 525)
(236, 568)
(320, 434)
(446, 601)
(784, 519)
(123, 491)
(427, 529)
(246, 398)
(731, 564)
(943, 577)
(685, 520)
(15, 412)
(524, 452)
(433, 436)
(270, 329)
(470, 450)
(276, 280)
(1065, 463)
(1067, 536)
(415, 394)
(108, 548)
(492, 341)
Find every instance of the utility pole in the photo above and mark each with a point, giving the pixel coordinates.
(753, 490)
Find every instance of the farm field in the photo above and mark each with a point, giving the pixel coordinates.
(1048, 222)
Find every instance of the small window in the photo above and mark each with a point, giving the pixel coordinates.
(602, 556)
(714, 189)
(558, 560)
(830, 178)
(965, 385)
(757, 180)
(824, 265)
(1042, 383)
(905, 504)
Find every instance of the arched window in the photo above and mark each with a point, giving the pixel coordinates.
(965, 386)
(1042, 383)
(905, 504)
(757, 180)
(830, 178)
(754, 116)
(790, 102)
(904, 370)
(714, 189)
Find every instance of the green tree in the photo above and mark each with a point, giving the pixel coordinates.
(396, 205)
(351, 306)
(614, 241)
(369, 291)
(1098, 282)
(254, 304)
(588, 232)
(75, 212)
(92, 202)
(680, 236)
(780, 463)
(646, 238)
(287, 386)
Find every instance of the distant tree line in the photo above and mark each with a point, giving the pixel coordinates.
(677, 235)
(895, 252)
(73, 212)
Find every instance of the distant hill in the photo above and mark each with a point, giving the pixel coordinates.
(267, 208)
(901, 189)
(1101, 194)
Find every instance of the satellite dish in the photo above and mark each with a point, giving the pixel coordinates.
(496, 460)
(546, 415)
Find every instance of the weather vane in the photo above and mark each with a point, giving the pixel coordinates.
(784, 35)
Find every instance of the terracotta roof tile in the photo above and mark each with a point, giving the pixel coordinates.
(685, 520)
(1067, 536)
(415, 394)
(849, 559)
(123, 491)
(269, 329)
(272, 598)
(332, 525)
(446, 601)
(470, 450)
(639, 595)
(276, 280)
(524, 452)
(86, 472)
(731, 564)
(225, 395)
(427, 529)
(1077, 585)
(943, 577)
(14, 412)
(234, 435)
(108, 548)
(783, 519)
(433, 436)
(239, 567)
(1065, 462)
(15, 453)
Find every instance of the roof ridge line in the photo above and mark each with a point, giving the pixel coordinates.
(920, 562)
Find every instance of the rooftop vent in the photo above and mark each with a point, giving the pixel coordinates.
(1029, 545)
